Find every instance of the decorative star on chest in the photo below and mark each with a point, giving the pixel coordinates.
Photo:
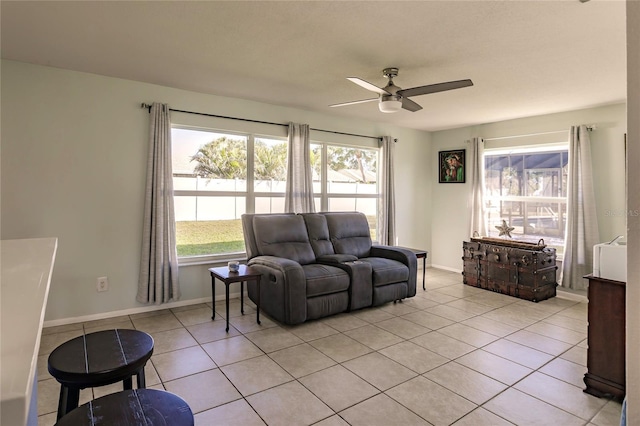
(505, 229)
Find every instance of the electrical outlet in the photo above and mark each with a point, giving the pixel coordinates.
(102, 284)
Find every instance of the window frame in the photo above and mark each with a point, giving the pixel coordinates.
(325, 195)
(559, 147)
(251, 195)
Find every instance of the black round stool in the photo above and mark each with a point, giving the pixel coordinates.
(99, 359)
(149, 407)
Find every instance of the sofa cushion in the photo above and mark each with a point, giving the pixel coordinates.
(283, 236)
(349, 233)
(318, 234)
(325, 279)
(387, 271)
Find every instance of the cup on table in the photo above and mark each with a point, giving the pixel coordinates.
(234, 266)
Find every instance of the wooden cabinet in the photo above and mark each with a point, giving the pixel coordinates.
(606, 338)
(523, 270)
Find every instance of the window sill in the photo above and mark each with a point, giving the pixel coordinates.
(214, 259)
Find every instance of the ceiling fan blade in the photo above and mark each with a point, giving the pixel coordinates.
(365, 84)
(409, 105)
(354, 102)
(435, 88)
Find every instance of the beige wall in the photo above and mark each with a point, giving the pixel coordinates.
(450, 218)
(633, 177)
(73, 166)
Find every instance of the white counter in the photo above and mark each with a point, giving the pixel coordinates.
(26, 267)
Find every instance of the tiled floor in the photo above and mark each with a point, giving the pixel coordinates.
(452, 355)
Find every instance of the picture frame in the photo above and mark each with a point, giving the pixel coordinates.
(452, 166)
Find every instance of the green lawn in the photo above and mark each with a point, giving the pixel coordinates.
(198, 238)
(207, 237)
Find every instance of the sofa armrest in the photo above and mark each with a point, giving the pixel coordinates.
(395, 253)
(401, 255)
(274, 262)
(283, 288)
(332, 259)
(360, 287)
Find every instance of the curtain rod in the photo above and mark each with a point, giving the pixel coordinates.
(590, 128)
(148, 107)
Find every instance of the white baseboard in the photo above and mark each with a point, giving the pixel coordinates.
(570, 296)
(446, 268)
(138, 310)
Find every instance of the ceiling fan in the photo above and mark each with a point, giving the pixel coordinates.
(392, 98)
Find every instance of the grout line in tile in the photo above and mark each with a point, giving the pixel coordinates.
(544, 318)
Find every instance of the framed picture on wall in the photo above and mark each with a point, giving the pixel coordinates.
(452, 166)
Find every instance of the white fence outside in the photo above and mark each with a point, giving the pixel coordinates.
(204, 207)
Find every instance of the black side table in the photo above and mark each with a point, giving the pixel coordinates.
(245, 273)
(420, 254)
(147, 407)
(99, 359)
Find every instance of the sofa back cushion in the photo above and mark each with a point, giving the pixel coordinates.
(318, 234)
(349, 233)
(283, 236)
(249, 234)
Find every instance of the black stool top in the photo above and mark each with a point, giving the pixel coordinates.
(100, 358)
(149, 407)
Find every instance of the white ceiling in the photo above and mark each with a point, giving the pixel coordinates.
(525, 57)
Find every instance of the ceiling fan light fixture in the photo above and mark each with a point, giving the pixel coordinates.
(389, 106)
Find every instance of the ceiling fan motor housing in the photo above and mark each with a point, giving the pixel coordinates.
(390, 72)
(391, 102)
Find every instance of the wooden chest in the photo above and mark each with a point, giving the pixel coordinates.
(526, 273)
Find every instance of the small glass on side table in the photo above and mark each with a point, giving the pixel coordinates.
(245, 273)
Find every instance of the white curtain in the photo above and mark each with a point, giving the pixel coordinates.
(475, 162)
(582, 223)
(299, 195)
(158, 280)
(386, 233)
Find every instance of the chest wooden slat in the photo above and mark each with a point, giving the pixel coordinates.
(519, 272)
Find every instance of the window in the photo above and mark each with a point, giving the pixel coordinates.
(352, 182)
(528, 189)
(210, 191)
(270, 175)
(346, 179)
(218, 176)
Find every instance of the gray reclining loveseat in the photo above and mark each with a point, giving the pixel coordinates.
(319, 264)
